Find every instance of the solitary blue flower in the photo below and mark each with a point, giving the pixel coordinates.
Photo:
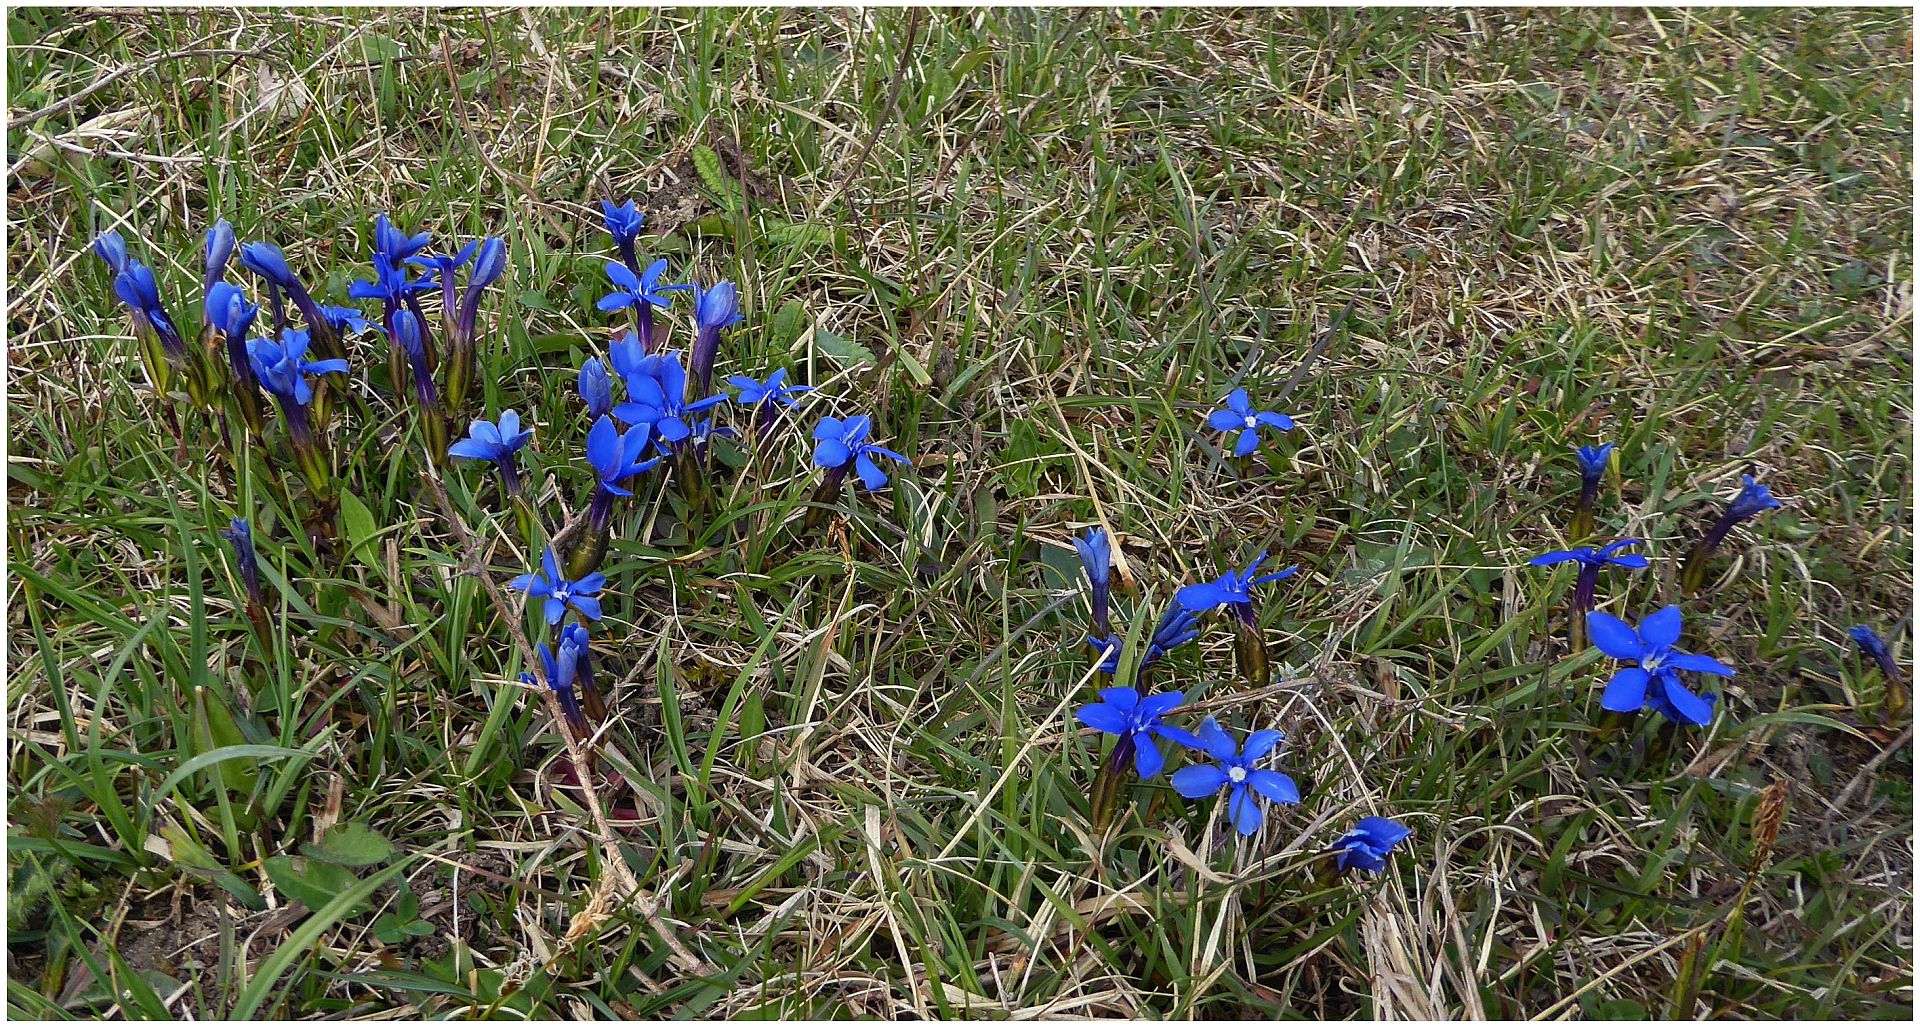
(1136, 720)
(110, 247)
(1233, 590)
(1177, 627)
(840, 443)
(1654, 680)
(500, 443)
(282, 366)
(1875, 649)
(220, 245)
(560, 593)
(1239, 414)
(394, 245)
(240, 534)
(1593, 463)
(1235, 772)
(637, 290)
(562, 673)
(623, 224)
(596, 389)
(1096, 556)
(766, 397)
(1591, 561)
(616, 457)
(657, 394)
(1753, 499)
(135, 286)
(1365, 847)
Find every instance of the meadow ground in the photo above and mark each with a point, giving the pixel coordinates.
(1038, 247)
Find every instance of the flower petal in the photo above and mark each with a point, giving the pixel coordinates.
(1554, 557)
(1615, 637)
(1203, 596)
(1245, 811)
(1626, 691)
(1218, 743)
(1147, 760)
(1700, 663)
(588, 606)
(1274, 786)
(1662, 627)
(1249, 441)
(1158, 705)
(1102, 718)
(1260, 743)
(1197, 781)
(1225, 421)
(870, 474)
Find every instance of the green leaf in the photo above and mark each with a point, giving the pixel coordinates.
(353, 844)
(360, 526)
(789, 322)
(315, 883)
(800, 235)
(842, 349)
(299, 945)
(707, 163)
(377, 47)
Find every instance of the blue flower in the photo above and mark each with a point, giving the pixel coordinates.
(1234, 770)
(110, 247)
(391, 284)
(1123, 712)
(407, 332)
(1654, 680)
(220, 244)
(240, 534)
(488, 265)
(267, 261)
(560, 593)
(718, 307)
(1365, 847)
(1240, 415)
(394, 245)
(576, 635)
(753, 392)
(1753, 499)
(1234, 590)
(596, 389)
(657, 393)
(623, 224)
(498, 443)
(282, 367)
(346, 320)
(440, 267)
(1875, 649)
(1593, 462)
(229, 312)
(1096, 557)
(630, 289)
(137, 289)
(1177, 627)
(614, 457)
(562, 672)
(1596, 558)
(841, 442)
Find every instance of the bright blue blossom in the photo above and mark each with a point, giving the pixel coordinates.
(1654, 680)
(345, 320)
(657, 394)
(560, 593)
(1233, 590)
(1593, 461)
(1365, 847)
(408, 333)
(439, 270)
(229, 312)
(838, 443)
(596, 389)
(562, 675)
(394, 245)
(1588, 556)
(391, 284)
(575, 634)
(1240, 415)
(136, 288)
(1875, 649)
(1753, 500)
(282, 367)
(1177, 627)
(752, 392)
(497, 442)
(616, 458)
(488, 265)
(630, 290)
(1123, 712)
(623, 224)
(266, 260)
(713, 310)
(110, 247)
(1096, 557)
(1235, 772)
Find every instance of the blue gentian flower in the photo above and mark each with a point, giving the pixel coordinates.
(1591, 561)
(407, 332)
(596, 389)
(766, 397)
(136, 288)
(391, 284)
(500, 443)
(575, 635)
(1241, 416)
(1654, 680)
(560, 593)
(631, 290)
(394, 245)
(282, 366)
(229, 312)
(840, 443)
(112, 248)
(1235, 772)
(220, 245)
(562, 673)
(1123, 712)
(1753, 499)
(657, 393)
(1365, 847)
(713, 310)
(1593, 463)
(240, 534)
(488, 265)
(266, 260)
(623, 224)
(1177, 627)
(1096, 557)
(1232, 590)
(439, 269)
(616, 458)
(1875, 649)
(345, 320)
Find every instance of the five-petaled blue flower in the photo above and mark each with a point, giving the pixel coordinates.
(395, 245)
(1125, 713)
(596, 388)
(1654, 680)
(657, 393)
(616, 458)
(1177, 627)
(1240, 415)
(840, 442)
(1753, 499)
(498, 443)
(630, 289)
(1589, 556)
(1593, 462)
(1365, 847)
(1235, 772)
(1233, 590)
(753, 392)
(283, 368)
(623, 224)
(560, 593)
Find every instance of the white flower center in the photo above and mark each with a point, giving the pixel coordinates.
(1252, 421)
(1236, 775)
(563, 594)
